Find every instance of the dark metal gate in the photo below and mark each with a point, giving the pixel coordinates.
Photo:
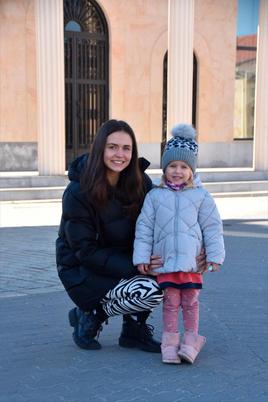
(86, 74)
(164, 104)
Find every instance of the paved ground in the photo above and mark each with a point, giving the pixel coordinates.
(40, 363)
(48, 212)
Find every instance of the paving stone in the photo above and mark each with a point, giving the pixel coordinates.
(39, 362)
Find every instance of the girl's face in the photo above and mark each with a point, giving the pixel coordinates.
(117, 154)
(178, 172)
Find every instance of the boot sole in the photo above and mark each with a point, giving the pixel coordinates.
(186, 358)
(127, 343)
(94, 345)
(171, 361)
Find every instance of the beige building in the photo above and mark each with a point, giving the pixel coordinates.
(66, 66)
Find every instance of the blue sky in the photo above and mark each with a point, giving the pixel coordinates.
(248, 16)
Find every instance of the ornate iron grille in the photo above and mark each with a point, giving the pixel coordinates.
(86, 74)
(164, 104)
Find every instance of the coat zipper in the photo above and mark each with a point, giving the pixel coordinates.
(176, 228)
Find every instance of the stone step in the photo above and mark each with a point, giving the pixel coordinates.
(31, 193)
(237, 186)
(33, 179)
(55, 192)
(221, 174)
(233, 186)
(31, 186)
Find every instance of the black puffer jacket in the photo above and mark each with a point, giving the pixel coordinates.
(94, 245)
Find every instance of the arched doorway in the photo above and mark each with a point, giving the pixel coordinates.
(86, 53)
(164, 103)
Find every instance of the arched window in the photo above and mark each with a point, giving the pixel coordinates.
(86, 74)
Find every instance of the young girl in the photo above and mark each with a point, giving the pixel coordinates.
(177, 219)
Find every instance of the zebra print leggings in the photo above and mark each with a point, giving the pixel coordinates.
(132, 295)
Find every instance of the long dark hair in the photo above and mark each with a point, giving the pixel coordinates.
(94, 182)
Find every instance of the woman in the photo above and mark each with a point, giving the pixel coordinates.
(95, 244)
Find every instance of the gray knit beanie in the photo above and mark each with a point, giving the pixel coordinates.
(181, 147)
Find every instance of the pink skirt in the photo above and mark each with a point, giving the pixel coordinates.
(180, 280)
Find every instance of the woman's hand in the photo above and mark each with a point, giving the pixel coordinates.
(148, 269)
(155, 262)
(143, 268)
(201, 261)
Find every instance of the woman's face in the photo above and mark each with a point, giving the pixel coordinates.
(178, 172)
(117, 153)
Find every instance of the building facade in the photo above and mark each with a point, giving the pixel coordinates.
(66, 66)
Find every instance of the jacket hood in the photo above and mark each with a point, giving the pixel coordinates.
(77, 167)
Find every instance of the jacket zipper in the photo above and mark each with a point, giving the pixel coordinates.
(176, 228)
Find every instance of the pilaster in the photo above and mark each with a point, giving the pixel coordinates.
(180, 62)
(260, 150)
(50, 86)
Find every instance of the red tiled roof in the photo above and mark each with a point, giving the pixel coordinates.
(243, 56)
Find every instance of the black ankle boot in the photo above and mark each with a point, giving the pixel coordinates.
(86, 326)
(138, 334)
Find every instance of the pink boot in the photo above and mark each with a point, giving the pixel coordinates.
(169, 347)
(191, 346)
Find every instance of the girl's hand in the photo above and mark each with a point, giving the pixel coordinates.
(212, 267)
(143, 268)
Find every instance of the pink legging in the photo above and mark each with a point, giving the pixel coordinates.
(187, 299)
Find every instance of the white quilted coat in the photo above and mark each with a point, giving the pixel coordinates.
(175, 225)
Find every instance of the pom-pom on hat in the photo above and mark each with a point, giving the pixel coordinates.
(181, 147)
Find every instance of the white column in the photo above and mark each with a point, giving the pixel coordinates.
(180, 62)
(50, 86)
(260, 152)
